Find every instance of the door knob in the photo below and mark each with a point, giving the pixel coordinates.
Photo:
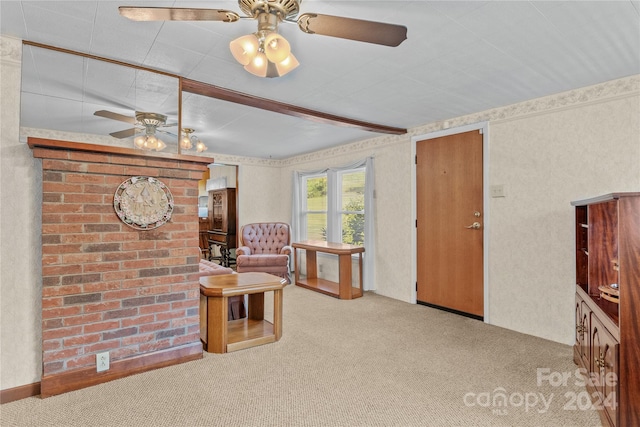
(475, 226)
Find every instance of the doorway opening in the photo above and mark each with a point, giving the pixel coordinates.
(218, 211)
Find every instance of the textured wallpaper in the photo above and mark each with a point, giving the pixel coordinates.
(20, 226)
(260, 195)
(544, 162)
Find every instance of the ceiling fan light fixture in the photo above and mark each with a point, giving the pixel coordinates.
(289, 63)
(245, 48)
(149, 142)
(139, 141)
(276, 47)
(188, 141)
(261, 52)
(258, 66)
(159, 145)
(200, 147)
(152, 143)
(185, 142)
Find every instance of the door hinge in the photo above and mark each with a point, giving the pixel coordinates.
(416, 159)
(416, 223)
(416, 286)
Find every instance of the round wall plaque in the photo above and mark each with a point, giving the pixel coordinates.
(143, 203)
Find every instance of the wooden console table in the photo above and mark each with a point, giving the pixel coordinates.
(343, 289)
(220, 335)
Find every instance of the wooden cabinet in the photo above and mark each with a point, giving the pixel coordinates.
(222, 217)
(607, 344)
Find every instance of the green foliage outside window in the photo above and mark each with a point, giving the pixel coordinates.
(353, 224)
(317, 187)
(352, 201)
(317, 203)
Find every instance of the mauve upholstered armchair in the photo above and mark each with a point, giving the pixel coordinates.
(265, 247)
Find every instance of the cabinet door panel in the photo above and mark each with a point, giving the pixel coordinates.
(216, 211)
(604, 367)
(585, 321)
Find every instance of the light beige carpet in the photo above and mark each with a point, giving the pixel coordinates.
(372, 361)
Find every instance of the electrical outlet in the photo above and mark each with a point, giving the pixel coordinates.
(102, 361)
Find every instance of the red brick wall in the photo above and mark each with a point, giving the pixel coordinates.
(107, 286)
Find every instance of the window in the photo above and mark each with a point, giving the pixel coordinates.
(314, 208)
(337, 205)
(333, 206)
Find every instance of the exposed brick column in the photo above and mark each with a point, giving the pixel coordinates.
(107, 286)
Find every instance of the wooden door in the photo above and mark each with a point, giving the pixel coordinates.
(450, 223)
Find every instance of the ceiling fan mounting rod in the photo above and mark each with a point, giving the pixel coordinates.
(149, 129)
(267, 23)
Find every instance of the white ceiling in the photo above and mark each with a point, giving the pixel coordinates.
(460, 57)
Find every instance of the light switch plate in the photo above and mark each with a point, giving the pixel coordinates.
(497, 190)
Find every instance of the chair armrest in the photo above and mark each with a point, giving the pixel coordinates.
(243, 250)
(286, 250)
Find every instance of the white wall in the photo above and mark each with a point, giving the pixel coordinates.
(546, 152)
(220, 176)
(20, 235)
(261, 197)
(545, 160)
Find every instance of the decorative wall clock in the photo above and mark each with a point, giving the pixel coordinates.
(143, 202)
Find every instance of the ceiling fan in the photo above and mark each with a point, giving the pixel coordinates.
(143, 121)
(266, 53)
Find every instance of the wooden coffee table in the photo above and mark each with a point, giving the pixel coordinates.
(220, 335)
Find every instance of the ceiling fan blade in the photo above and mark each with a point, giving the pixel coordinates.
(177, 14)
(353, 29)
(115, 116)
(167, 133)
(124, 133)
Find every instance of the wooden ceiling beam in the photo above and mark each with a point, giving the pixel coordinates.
(221, 93)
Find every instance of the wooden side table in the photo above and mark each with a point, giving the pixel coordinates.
(220, 335)
(225, 242)
(343, 289)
